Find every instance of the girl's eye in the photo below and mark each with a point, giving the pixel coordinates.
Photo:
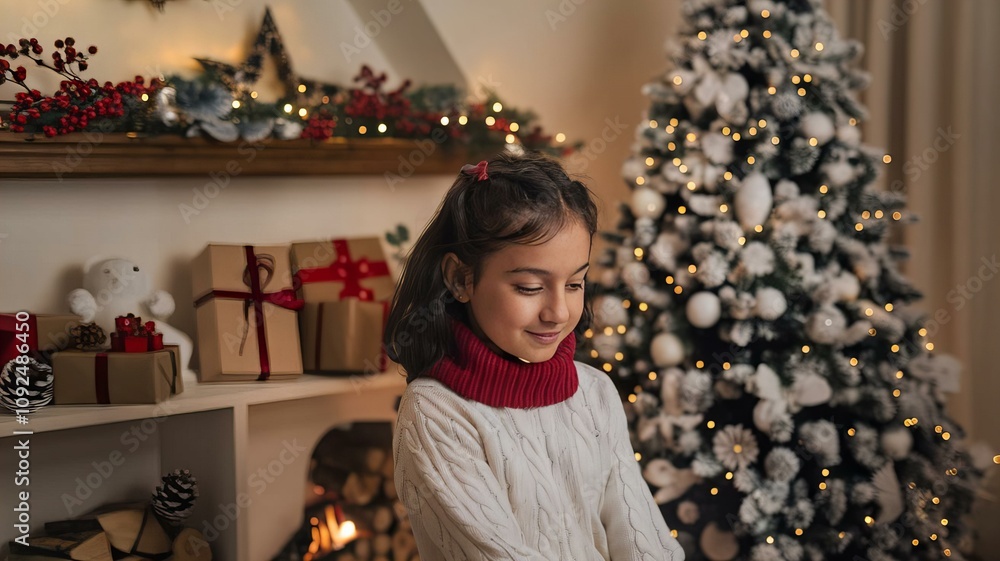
(527, 290)
(576, 286)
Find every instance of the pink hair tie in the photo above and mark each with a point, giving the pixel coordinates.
(479, 170)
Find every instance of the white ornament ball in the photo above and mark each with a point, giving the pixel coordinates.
(718, 148)
(848, 287)
(632, 168)
(606, 345)
(753, 200)
(666, 349)
(785, 189)
(839, 172)
(826, 325)
(609, 311)
(635, 273)
(771, 303)
(819, 126)
(647, 203)
(897, 442)
(849, 135)
(704, 309)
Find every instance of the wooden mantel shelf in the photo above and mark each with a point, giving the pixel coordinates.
(81, 155)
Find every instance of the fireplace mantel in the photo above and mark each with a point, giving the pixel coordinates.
(82, 155)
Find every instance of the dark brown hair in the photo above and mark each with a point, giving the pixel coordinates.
(526, 199)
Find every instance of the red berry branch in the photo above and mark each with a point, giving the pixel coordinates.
(77, 104)
(320, 126)
(370, 101)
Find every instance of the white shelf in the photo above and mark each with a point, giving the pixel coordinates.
(202, 397)
(249, 444)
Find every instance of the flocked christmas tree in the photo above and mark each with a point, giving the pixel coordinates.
(784, 399)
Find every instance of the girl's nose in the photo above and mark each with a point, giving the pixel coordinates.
(556, 310)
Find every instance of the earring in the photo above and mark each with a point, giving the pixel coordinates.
(460, 297)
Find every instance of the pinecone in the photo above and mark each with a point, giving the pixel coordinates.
(87, 336)
(38, 388)
(174, 499)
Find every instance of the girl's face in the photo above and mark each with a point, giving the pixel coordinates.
(530, 297)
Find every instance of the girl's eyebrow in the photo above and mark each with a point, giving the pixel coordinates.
(541, 272)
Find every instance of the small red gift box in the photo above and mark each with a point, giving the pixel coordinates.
(133, 336)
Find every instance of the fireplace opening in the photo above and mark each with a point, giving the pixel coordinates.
(352, 511)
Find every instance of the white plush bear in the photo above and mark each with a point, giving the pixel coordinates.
(117, 287)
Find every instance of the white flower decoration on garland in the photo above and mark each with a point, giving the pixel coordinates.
(735, 447)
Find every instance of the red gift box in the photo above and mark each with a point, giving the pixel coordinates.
(133, 336)
(136, 343)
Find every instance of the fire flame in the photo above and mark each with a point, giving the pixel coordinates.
(329, 535)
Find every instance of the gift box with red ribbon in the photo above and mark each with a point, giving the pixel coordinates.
(81, 377)
(346, 287)
(246, 313)
(133, 336)
(42, 333)
(332, 270)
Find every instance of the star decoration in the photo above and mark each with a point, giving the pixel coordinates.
(242, 78)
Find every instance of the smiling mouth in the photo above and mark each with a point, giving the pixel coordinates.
(545, 337)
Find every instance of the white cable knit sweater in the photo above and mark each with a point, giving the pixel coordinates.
(558, 482)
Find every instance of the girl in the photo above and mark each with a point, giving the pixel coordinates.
(505, 448)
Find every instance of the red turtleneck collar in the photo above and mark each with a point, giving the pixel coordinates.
(479, 374)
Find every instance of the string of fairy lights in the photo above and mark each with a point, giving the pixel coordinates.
(462, 120)
(801, 82)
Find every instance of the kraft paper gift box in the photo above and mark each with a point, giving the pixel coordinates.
(246, 314)
(42, 332)
(332, 270)
(344, 336)
(346, 286)
(81, 377)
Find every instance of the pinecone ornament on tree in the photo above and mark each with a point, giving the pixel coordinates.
(87, 336)
(33, 395)
(175, 497)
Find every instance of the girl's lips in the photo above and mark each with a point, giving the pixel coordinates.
(545, 337)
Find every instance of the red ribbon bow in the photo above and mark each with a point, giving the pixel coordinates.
(479, 170)
(255, 300)
(346, 270)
